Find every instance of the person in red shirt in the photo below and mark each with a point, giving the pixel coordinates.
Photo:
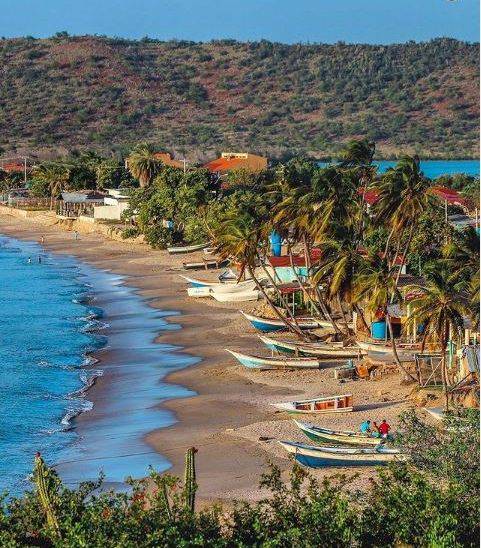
(384, 428)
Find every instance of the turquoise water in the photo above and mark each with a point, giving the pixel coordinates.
(54, 315)
(436, 168)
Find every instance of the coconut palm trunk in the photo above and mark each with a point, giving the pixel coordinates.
(287, 323)
(394, 350)
(285, 304)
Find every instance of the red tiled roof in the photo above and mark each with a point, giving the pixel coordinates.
(289, 288)
(449, 195)
(225, 164)
(370, 196)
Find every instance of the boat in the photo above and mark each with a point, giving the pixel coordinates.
(322, 404)
(237, 296)
(320, 350)
(267, 325)
(314, 456)
(260, 362)
(345, 437)
(187, 248)
(206, 264)
(405, 350)
(327, 324)
(435, 412)
(218, 287)
(203, 291)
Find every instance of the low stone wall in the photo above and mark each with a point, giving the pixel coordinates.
(83, 225)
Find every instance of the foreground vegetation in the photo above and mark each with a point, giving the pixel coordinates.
(432, 501)
(67, 93)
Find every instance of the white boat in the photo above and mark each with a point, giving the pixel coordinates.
(344, 437)
(322, 404)
(237, 296)
(405, 351)
(435, 412)
(320, 350)
(281, 362)
(314, 456)
(218, 287)
(199, 291)
(186, 248)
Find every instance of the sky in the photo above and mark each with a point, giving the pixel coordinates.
(288, 21)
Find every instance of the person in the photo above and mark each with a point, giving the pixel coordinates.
(365, 427)
(29, 260)
(42, 239)
(384, 428)
(39, 259)
(375, 430)
(75, 235)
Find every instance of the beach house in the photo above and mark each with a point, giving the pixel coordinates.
(114, 204)
(231, 161)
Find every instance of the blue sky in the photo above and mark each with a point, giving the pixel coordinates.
(366, 21)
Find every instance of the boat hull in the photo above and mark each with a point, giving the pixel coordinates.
(329, 404)
(321, 457)
(319, 350)
(237, 296)
(259, 362)
(186, 249)
(268, 325)
(405, 352)
(324, 435)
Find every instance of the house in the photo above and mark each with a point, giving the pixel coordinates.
(282, 270)
(230, 161)
(115, 203)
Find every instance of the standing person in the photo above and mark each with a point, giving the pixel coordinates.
(42, 239)
(29, 260)
(39, 259)
(75, 235)
(384, 429)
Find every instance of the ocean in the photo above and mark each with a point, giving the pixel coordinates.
(436, 168)
(55, 315)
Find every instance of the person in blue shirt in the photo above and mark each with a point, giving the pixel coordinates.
(365, 427)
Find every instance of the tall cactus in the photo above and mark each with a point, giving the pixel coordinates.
(190, 486)
(46, 490)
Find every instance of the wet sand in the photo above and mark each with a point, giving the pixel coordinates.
(231, 410)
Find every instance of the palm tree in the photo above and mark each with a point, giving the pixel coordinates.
(240, 236)
(55, 174)
(376, 284)
(441, 308)
(403, 196)
(462, 256)
(143, 165)
(340, 263)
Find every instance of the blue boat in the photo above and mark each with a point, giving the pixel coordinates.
(269, 325)
(314, 456)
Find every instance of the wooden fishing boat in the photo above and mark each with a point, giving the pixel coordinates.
(405, 351)
(186, 248)
(314, 456)
(345, 437)
(203, 291)
(206, 264)
(218, 287)
(320, 350)
(325, 404)
(281, 362)
(267, 325)
(237, 296)
(327, 324)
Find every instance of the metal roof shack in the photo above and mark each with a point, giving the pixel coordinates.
(83, 197)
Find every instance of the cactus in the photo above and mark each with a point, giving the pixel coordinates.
(190, 486)
(47, 485)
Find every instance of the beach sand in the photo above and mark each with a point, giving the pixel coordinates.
(232, 410)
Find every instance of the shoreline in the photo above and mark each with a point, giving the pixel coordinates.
(230, 419)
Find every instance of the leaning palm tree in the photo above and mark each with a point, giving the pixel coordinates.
(375, 284)
(143, 165)
(240, 236)
(441, 308)
(403, 197)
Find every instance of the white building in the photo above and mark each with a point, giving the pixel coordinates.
(114, 205)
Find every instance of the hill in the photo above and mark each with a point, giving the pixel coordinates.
(195, 99)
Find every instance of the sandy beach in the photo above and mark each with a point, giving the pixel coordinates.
(230, 420)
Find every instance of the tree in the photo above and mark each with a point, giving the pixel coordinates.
(375, 284)
(54, 174)
(441, 308)
(403, 197)
(143, 164)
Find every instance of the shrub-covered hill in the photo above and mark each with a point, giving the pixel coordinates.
(67, 93)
